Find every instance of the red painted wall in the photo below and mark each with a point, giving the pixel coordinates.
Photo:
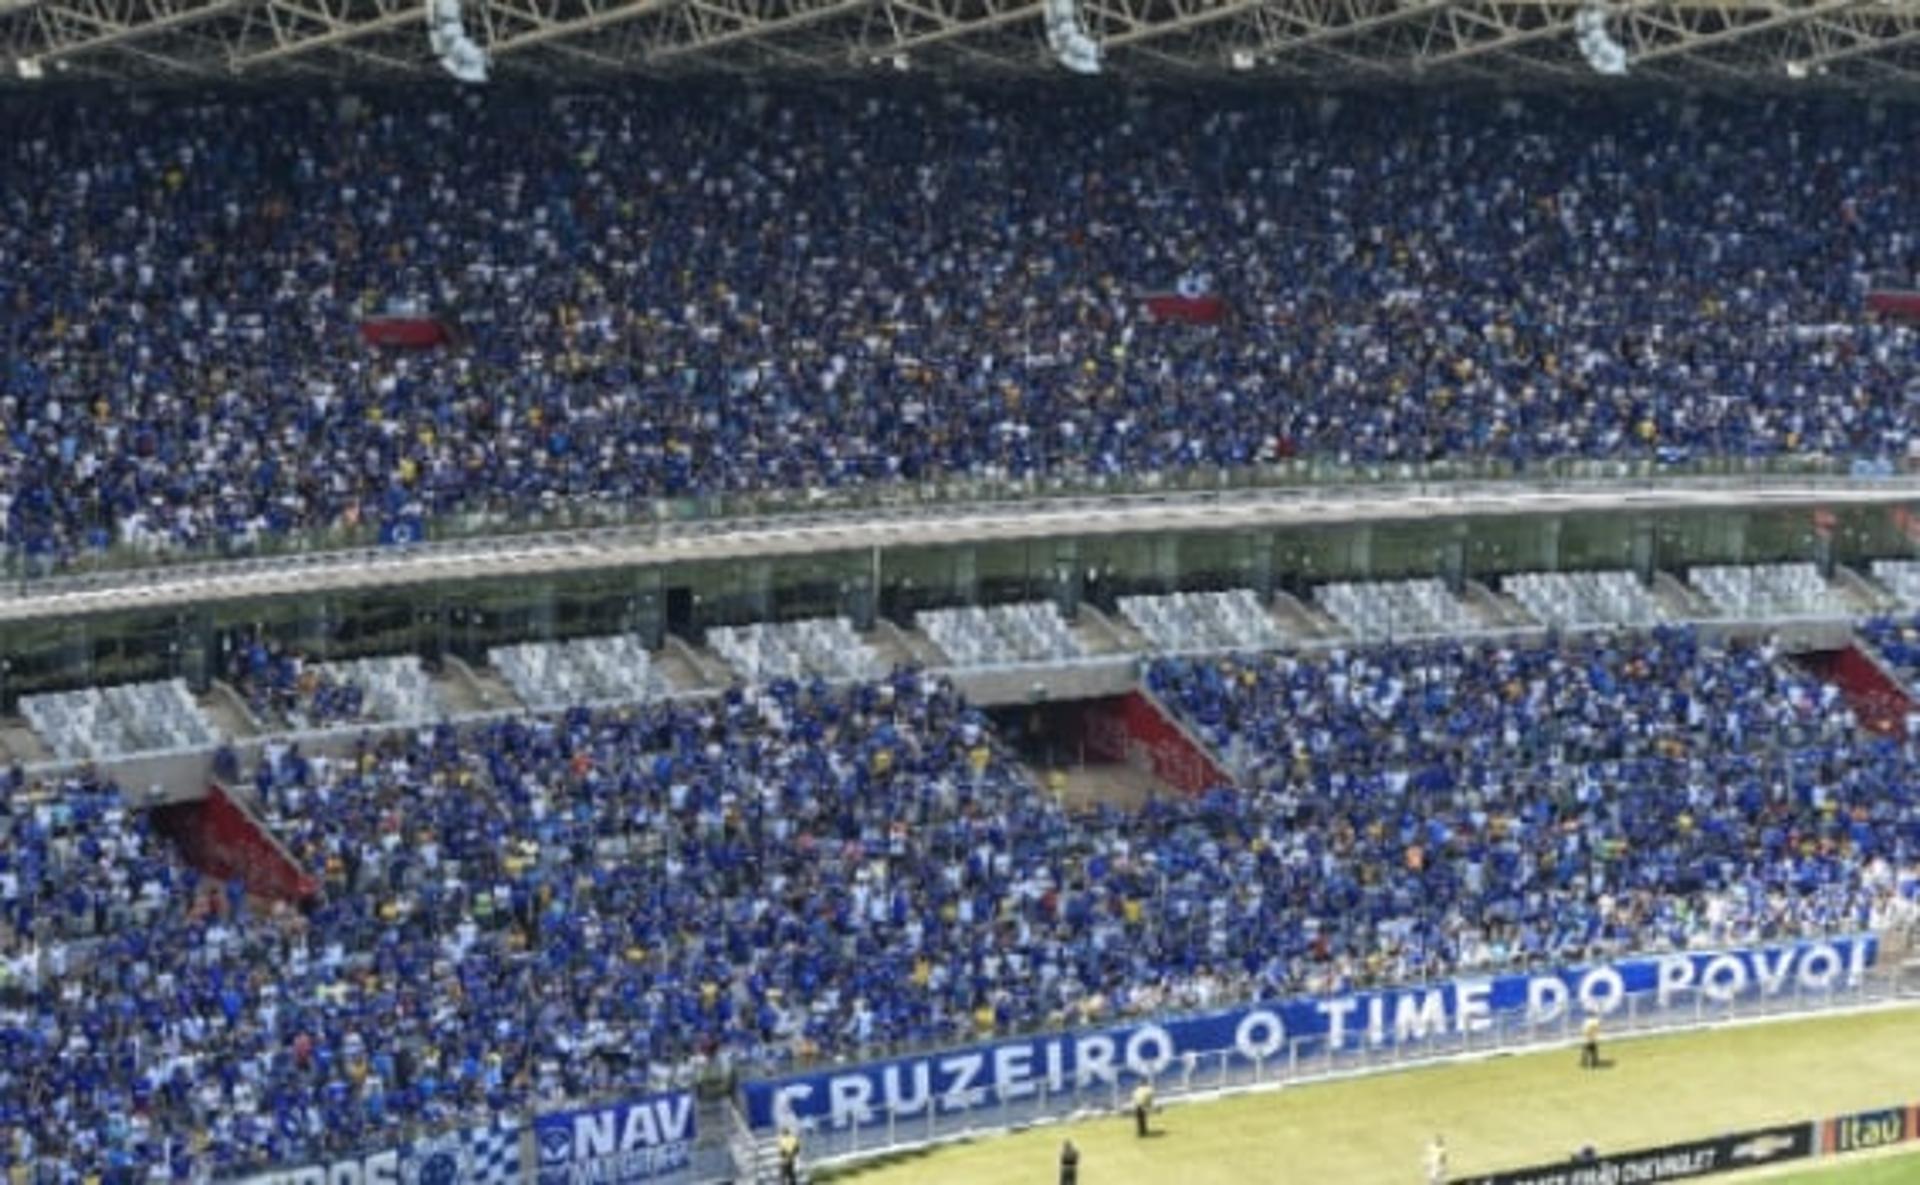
(1895, 305)
(1880, 703)
(1132, 728)
(223, 840)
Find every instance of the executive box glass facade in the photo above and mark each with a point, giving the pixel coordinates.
(467, 618)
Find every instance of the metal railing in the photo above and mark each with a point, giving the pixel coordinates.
(1196, 1076)
(499, 519)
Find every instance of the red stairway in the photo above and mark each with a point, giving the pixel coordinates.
(1137, 729)
(221, 837)
(1876, 697)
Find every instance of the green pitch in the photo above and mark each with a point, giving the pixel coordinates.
(1505, 1113)
(1903, 1169)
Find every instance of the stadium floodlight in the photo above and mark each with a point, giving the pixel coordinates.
(1073, 47)
(459, 54)
(30, 69)
(1597, 44)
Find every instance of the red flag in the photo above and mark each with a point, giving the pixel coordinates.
(1188, 310)
(1192, 302)
(1895, 306)
(405, 332)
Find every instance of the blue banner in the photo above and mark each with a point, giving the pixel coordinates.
(372, 1168)
(1011, 1070)
(487, 1155)
(635, 1141)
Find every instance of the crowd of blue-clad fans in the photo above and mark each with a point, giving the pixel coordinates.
(676, 293)
(557, 907)
(1896, 639)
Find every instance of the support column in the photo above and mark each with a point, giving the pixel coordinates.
(1359, 553)
(1824, 524)
(649, 609)
(313, 632)
(79, 651)
(1646, 550)
(860, 591)
(1735, 527)
(194, 629)
(1453, 559)
(759, 590)
(1550, 545)
(1067, 587)
(1260, 577)
(1166, 563)
(966, 575)
(542, 618)
(430, 629)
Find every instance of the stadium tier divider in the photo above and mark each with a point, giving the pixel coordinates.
(130, 719)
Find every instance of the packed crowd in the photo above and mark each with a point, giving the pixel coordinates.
(76, 862)
(665, 294)
(1449, 704)
(552, 907)
(1897, 639)
(91, 902)
(1456, 803)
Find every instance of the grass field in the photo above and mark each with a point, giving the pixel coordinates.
(1902, 1171)
(1888, 1166)
(1504, 1113)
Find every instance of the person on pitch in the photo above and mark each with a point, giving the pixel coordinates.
(1590, 1043)
(789, 1157)
(1142, 1107)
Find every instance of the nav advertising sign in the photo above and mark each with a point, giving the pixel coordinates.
(1676, 1162)
(1012, 1070)
(636, 1141)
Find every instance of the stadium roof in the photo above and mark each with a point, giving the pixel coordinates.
(1867, 45)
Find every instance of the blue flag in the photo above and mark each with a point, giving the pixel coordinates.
(403, 532)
